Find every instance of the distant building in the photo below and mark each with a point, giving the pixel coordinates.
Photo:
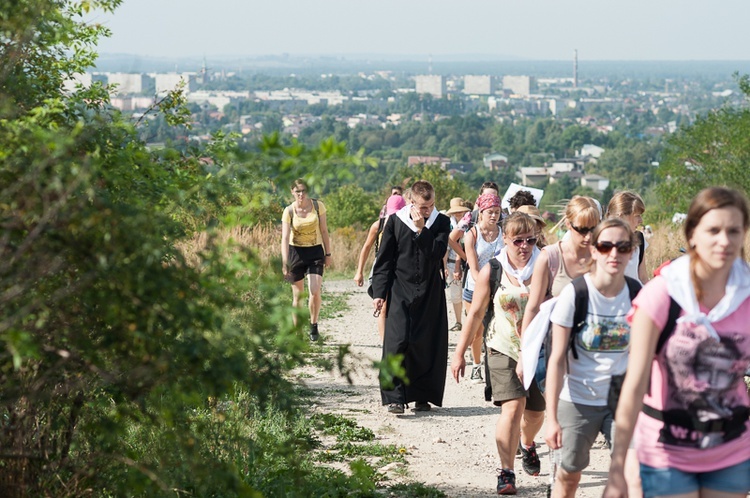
(131, 103)
(479, 85)
(417, 160)
(495, 161)
(532, 176)
(591, 150)
(595, 182)
(127, 83)
(519, 85)
(432, 84)
(166, 82)
(83, 79)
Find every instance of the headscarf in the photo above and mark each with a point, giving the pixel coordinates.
(487, 201)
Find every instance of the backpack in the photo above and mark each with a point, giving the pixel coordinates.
(496, 274)
(641, 246)
(315, 206)
(581, 306)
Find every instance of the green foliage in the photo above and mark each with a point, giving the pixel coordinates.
(350, 205)
(343, 428)
(445, 186)
(715, 150)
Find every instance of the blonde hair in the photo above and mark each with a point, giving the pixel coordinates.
(519, 222)
(625, 203)
(580, 206)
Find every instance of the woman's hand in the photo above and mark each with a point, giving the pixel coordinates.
(359, 279)
(458, 366)
(616, 485)
(553, 435)
(329, 260)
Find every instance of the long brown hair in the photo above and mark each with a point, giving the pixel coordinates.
(610, 223)
(707, 200)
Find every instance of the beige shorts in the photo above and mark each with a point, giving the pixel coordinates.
(507, 386)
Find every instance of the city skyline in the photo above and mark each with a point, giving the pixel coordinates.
(542, 30)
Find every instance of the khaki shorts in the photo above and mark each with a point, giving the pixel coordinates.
(507, 386)
(581, 425)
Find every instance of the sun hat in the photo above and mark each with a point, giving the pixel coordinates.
(457, 206)
(393, 204)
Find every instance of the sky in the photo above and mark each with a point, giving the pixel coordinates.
(518, 29)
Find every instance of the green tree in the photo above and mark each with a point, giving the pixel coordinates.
(350, 205)
(715, 150)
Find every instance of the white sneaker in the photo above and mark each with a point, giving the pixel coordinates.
(476, 374)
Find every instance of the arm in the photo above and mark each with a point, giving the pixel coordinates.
(555, 373)
(382, 271)
(326, 239)
(285, 233)
(473, 319)
(434, 240)
(644, 335)
(453, 239)
(471, 254)
(642, 273)
(537, 289)
(372, 234)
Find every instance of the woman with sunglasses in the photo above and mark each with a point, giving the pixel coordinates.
(684, 383)
(578, 380)
(522, 411)
(482, 242)
(559, 263)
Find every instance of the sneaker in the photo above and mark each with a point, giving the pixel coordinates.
(396, 408)
(314, 334)
(422, 406)
(456, 327)
(506, 482)
(530, 460)
(476, 374)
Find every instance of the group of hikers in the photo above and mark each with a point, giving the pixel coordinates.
(574, 329)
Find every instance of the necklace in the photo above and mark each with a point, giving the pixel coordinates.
(489, 234)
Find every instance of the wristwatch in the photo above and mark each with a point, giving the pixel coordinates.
(328, 255)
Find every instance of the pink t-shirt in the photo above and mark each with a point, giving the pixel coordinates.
(696, 375)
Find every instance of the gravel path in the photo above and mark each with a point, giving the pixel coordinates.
(451, 448)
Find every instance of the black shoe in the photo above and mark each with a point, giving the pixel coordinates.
(530, 460)
(314, 334)
(506, 482)
(397, 408)
(422, 406)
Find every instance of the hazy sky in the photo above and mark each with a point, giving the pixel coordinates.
(526, 29)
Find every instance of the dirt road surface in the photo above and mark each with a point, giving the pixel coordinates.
(452, 447)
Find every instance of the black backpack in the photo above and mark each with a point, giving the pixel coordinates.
(581, 302)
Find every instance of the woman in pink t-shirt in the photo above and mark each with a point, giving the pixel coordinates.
(693, 432)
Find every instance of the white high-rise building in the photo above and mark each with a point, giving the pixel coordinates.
(479, 85)
(432, 84)
(127, 83)
(519, 85)
(166, 82)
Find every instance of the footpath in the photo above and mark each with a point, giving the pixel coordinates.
(452, 447)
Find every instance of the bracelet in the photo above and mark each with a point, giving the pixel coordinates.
(328, 255)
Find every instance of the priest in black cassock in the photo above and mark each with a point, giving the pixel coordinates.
(409, 274)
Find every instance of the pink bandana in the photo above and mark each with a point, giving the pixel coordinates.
(486, 201)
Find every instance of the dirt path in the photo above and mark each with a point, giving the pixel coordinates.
(451, 448)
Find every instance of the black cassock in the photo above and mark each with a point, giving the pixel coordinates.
(408, 273)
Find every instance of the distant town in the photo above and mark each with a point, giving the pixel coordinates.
(642, 109)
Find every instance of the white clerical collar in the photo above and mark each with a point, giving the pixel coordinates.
(404, 214)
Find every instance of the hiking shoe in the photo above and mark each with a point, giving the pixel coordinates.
(506, 482)
(456, 327)
(530, 460)
(422, 406)
(396, 408)
(314, 334)
(476, 374)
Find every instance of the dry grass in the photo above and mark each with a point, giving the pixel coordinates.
(347, 242)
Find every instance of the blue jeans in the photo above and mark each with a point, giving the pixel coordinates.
(669, 481)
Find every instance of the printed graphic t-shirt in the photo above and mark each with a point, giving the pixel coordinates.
(305, 231)
(505, 329)
(602, 343)
(695, 374)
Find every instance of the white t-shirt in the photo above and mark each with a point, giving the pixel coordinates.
(602, 343)
(632, 269)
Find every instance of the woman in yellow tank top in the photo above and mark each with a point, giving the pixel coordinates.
(305, 249)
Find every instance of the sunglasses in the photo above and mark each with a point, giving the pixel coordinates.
(529, 240)
(582, 230)
(605, 247)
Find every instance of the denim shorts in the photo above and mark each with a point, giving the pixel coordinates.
(669, 481)
(468, 295)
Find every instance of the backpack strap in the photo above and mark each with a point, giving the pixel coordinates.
(669, 326)
(641, 246)
(553, 261)
(381, 224)
(496, 274)
(581, 303)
